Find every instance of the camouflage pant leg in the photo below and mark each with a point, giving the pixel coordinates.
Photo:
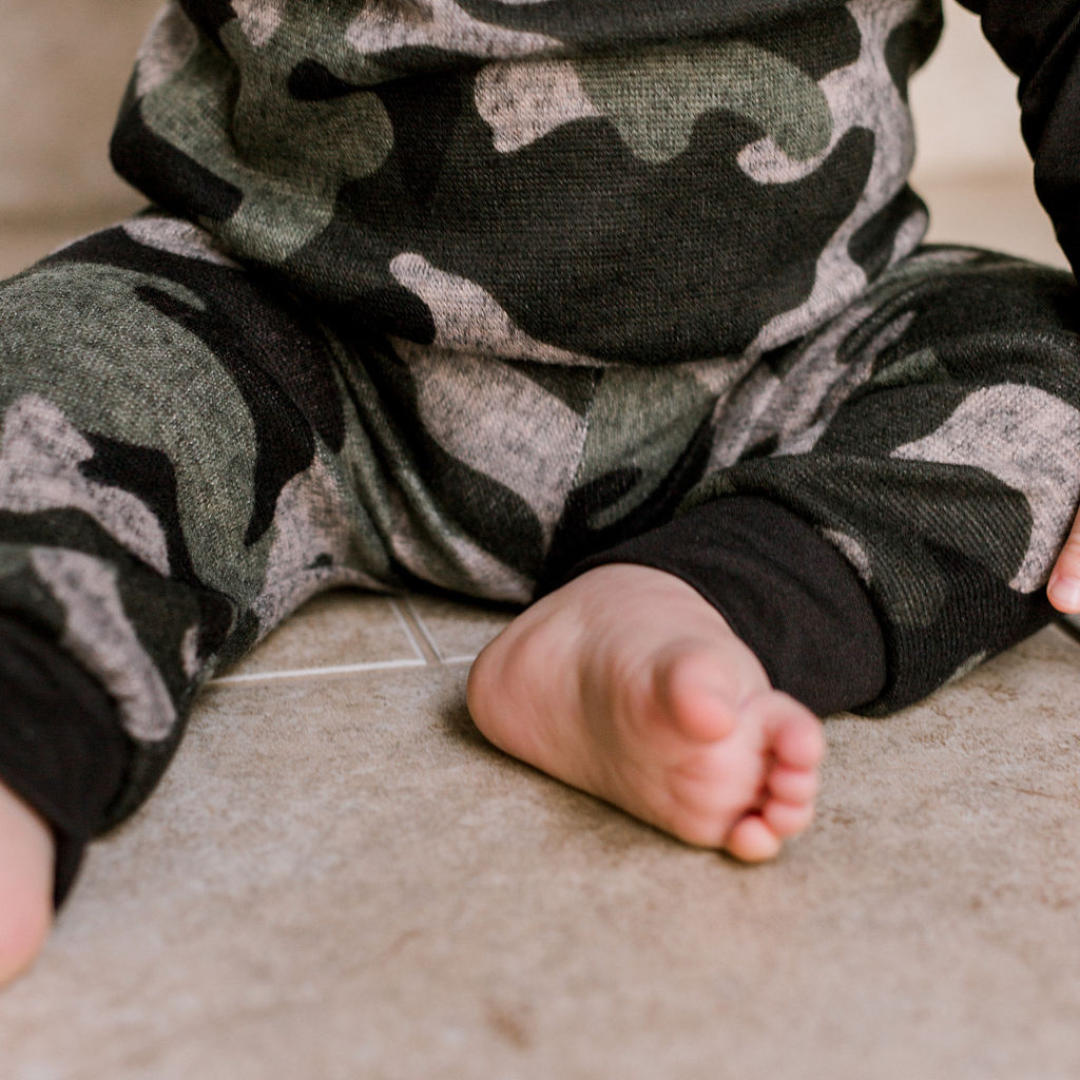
(180, 462)
(930, 434)
(186, 455)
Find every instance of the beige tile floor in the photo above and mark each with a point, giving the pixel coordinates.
(338, 878)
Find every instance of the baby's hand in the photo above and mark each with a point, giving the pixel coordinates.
(1064, 585)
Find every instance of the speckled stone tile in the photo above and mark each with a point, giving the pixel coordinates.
(456, 632)
(332, 633)
(339, 879)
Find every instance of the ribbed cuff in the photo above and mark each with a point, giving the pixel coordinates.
(784, 590)
(61, 745)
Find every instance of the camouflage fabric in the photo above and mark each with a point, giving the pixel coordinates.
(186, 454)
(569, 181)
(453, 293)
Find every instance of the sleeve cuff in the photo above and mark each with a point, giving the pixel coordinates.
(788, 593)
(62, 748)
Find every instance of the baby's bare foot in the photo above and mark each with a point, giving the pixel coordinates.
(26, 882)
(628, 684)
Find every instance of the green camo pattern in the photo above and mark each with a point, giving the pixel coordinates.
(453, 294)
(187, 454)
(544, 180)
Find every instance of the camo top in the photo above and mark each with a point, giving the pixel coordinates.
(575, 181)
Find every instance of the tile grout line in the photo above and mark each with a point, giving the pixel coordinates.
(404, 623)
(421, 627)
(335, 669)
(411, 621)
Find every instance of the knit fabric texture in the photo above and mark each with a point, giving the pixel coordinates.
(567, 181)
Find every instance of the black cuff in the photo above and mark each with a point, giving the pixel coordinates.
(62, 748)
(784, 590)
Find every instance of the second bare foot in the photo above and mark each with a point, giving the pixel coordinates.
(26, 883)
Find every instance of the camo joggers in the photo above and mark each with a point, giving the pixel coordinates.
(188, 453)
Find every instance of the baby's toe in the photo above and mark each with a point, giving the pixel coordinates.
(793, 785)
(787, 819)
(752, 840)
(798, 738)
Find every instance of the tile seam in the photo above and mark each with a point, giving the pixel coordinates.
(305, 673)
(422, 628)
(403, 622)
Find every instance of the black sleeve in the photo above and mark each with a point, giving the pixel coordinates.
(62, 748)
(784, 590)
(1040, 41)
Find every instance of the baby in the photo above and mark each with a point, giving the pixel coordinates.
(624, 317)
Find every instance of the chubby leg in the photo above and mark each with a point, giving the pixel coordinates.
(627, 684)
(177, 453)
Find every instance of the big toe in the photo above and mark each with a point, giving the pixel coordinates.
(700, 694)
